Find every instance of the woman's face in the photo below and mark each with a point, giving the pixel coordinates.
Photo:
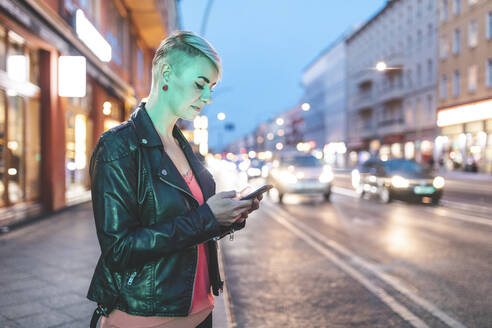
(191, 89)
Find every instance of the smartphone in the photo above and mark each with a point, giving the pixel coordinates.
(257, 192)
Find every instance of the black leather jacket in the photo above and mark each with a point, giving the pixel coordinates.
(148, 222)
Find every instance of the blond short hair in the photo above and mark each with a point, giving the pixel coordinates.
(180, 46)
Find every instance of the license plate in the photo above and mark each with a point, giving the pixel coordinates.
(310, 184)
(423, 190)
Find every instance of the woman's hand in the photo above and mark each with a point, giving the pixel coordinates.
(227, 209)
(256, 204)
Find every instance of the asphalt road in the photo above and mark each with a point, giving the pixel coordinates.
(359, 263)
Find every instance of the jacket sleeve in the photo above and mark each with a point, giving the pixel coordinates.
(124, 242)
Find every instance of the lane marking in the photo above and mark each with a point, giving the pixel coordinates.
(398, 308)
(455, 216)
(303, 230)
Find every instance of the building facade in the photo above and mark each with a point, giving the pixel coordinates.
(69, 70)
(325, 85)
(465, 85)
(392, 111)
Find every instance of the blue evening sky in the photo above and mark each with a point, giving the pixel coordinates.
(265, 46)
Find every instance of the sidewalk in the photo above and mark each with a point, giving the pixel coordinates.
(466, 176)
(45, 271)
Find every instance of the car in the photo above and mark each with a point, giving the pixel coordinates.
(255, 168)
(401, 179)
(300, 173)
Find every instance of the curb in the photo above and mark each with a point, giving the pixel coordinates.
(227, 319)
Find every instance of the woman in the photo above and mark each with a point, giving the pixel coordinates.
(156, 212)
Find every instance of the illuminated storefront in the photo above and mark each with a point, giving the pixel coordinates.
(78, 140)
(20, 139)
(465, 141)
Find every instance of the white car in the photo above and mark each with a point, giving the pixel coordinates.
(300, 173)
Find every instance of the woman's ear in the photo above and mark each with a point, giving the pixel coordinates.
(166, 71)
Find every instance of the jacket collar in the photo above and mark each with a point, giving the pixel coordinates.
(148, 137)
(147, 134)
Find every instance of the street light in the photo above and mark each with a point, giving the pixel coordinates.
(381, 66)
(305, 107)
(221, 116)
(280, 121)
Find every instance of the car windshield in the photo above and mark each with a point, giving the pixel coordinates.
(399, 165)
(301, 161)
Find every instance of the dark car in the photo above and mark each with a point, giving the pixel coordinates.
(397, 179)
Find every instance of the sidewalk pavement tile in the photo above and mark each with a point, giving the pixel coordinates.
(80, 310)
(22, 310)
(44, 320)
(60, 301)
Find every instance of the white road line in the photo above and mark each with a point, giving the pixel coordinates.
(455, 216)
(398, 308)
(301, 229)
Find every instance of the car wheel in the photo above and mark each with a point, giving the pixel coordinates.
(384, 195)
(326, 196)
(281, 198)
(436, 201)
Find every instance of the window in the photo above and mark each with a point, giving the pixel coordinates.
(429, 34)
(456, 7)
(457, 41)
(419, 75)
(443, 48)
(472, 78)
(489, 72)
(456, 83)
(472, 2)
(444, 10)
(443, 87)
(472, 34)
(488, 26)
(430, 72)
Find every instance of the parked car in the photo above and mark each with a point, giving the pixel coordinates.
(397, 179)
(300, 173)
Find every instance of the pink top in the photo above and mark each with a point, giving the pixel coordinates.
(203, 300)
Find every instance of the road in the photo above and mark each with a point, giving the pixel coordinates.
(359, 263)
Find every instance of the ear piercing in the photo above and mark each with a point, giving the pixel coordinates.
(165, 87)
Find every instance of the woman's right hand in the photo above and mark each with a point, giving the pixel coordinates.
(226, 208)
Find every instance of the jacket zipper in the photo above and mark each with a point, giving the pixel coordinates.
(179, 188)
(130, 280)
(194, 281)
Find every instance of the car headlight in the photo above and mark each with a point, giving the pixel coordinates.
(288, 177)
(399, 182)
(326, 177)
(438, 182)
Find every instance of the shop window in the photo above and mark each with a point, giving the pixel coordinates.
(3, 49)
(15, 149)
(3, 151)
(20, 131)
(78, 134)
(33, 148)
